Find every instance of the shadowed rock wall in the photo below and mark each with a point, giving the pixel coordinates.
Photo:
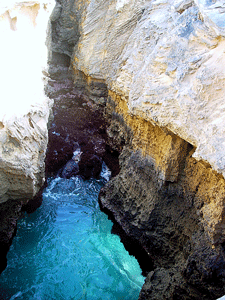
(171, 205)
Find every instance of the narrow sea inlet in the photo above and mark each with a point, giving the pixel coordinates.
(65, 250)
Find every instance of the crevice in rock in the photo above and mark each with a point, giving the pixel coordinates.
(132, 245)
(184, 5)
(78, 123)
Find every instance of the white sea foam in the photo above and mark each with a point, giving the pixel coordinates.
(105, 173)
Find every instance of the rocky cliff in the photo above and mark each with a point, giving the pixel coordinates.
(162, 62)
(25, 111)
(157, 69)
(164, 57)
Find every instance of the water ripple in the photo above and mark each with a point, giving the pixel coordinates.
(65, 250)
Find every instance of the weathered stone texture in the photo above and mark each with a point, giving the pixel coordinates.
(25, 110)
(173, 205)
(22, 154)
(64, 26)
(165, 57)
(163, 64)
(168, 156)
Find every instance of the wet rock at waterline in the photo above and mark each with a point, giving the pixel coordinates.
(10, 211)
(163, 216)
(77, 136)
(88, 165)
(71, 169)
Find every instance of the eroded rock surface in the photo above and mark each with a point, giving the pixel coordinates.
(165, 57)
(169, 219)
(158, 67)
(22, 154)
(162, 62)
(25, 109)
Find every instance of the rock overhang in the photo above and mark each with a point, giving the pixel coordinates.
(166, 60)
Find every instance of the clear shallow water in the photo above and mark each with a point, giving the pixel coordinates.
(65, 250)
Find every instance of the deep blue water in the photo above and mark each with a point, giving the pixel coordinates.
(65, 250)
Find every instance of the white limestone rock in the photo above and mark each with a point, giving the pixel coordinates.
(25, 110)
(167, 59)
(23, 143)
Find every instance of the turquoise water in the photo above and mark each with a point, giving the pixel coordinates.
(65, 250)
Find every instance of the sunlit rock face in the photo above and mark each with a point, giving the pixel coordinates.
(25, 109)
(163, 63)
(166, 58)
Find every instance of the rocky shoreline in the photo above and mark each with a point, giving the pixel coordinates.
(137, 93)
(156, 202)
